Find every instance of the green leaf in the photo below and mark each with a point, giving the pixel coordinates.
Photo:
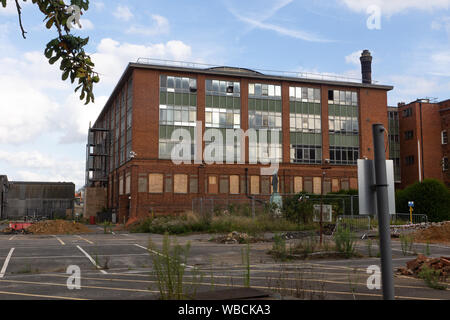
(65, 75)
(53, 60)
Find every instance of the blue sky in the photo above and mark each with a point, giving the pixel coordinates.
(43, 125)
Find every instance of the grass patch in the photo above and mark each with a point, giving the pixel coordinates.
(407, 243)
(344, 240)
(431, 278)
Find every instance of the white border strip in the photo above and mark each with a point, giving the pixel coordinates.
(92, 260)
(159, 254)
(5, 265)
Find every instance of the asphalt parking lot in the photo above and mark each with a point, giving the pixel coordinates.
(119, 266)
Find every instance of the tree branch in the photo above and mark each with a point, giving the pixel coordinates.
(19, 11)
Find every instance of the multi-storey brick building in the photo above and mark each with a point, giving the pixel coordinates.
(319, 121)
(424, 149)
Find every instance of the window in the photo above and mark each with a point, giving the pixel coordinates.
(298, 184)
(444, 137)
(344, 155)
(193, 184)
(409, 135)
(234, 184)
(128, 183)
(121, 185)
(407, 113)
(445, 164)
(254, 185)
(180, 183)
(409, 160)
(213, 187)
(177, 110)
(317, 182)
(155, 183)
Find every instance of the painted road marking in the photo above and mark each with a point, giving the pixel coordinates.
(5, 265)
(161, 255)
(90, 242)
(60, 241)
(10, 239)
(38, 296)
(92, 260)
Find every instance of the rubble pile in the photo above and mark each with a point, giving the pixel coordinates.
(236, 238)
(414, 267)
(58, 227)
(437, 232)
(422, 229)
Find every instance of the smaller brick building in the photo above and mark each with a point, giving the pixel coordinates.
(424, 148)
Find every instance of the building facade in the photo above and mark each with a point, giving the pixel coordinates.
(424, 149)
(39, 199)
(4, 186)
(319, 121)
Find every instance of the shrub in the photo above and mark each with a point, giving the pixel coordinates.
(298, 211)
(345, 243)
(431, 197)
(431, 277)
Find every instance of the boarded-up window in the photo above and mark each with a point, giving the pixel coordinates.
(224, 187)
(155, 183)
(345, 185)
(244, 185)
(234, 184)
(168, 186)
(254, 185)
(354, 183)
(298, 184)
(317, 185)
(327, 186)
(193, 184)
(308, 185)
(142, 187)
(213, 186)
(335, 185)
(121, 185)
(265, 185)
(128, 183)
(180, 183)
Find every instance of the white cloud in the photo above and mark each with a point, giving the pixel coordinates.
(11, 8)
(354, 58)
(37, 166)
(112, 57)
(391, 7)
(441, 24)
(160, 26)
(99, 5)
(86, 25)
(123, 13)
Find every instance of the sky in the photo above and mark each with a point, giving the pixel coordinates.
(43, 124)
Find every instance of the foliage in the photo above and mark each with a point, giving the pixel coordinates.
(306, 246)
(344, 241)
(246, 263)
(279, 249)
(431, 277)
(431, 197)
(75, 63)
(407, 242)
(298, 211)
(169, 268)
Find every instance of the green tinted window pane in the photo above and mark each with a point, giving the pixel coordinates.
(223, 102)
(265, 105)
(163, 98)
(251, 104)
(300, 138)
(162, 132)
(178, 99)
(209, 101)
(258, 105)
(317, 109)
(318, 140)
(237, 103)
(229, 103)
(215, 102)
(292, 107)
(185, 99)
(171, 98)
(332, 140)
(193, 100)
(278, 106)
(272, 106)
(293, 138)
(331, 110)
(305, 108)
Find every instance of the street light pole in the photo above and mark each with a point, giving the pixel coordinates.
(321, 199)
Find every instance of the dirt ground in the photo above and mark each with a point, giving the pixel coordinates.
(434, 234)
(58, 227)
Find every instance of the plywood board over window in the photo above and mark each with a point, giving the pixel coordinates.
(181, 183)
(345, 184)
(254, 185)
(317, 185)
(224, 186)
(298, 184)
(354, 183)
(335, 185)
(128, 183)
(155, 183)
(121, 185)
(213, 186)
(142, 187)
(234, 184)
(308, 185)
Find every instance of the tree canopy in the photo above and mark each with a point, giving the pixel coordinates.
(66, 47)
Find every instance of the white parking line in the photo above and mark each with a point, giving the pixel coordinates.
(90, 242)
(5, 265)
(92, 260)
(12, 237)
(60, 241)
(159, 254)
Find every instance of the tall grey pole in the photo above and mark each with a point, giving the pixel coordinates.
(387, 272)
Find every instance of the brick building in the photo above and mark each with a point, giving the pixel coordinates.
(319, 121)
(424, 148)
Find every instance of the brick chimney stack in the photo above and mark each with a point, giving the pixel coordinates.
(366, 66)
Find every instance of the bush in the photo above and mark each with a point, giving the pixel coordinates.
(345, 243)
(298, 211)
(431, 197)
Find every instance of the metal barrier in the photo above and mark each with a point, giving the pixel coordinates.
(405, 218)
(354, 223)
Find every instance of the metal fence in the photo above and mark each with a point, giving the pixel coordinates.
(405, 218)
(354, 223)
